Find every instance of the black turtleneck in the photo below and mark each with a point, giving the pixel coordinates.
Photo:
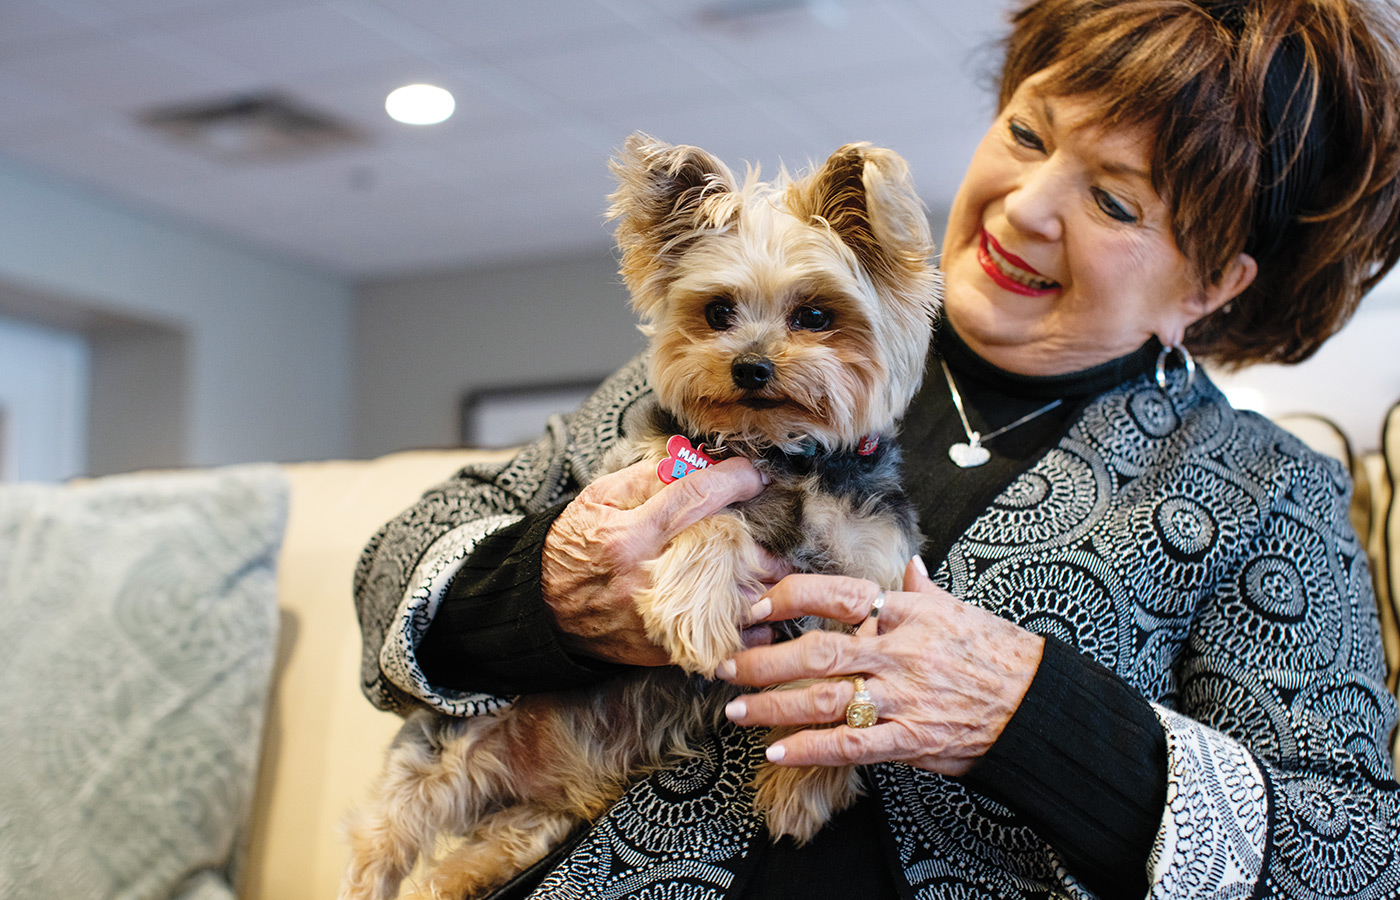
(948, 497)
(1083, 760)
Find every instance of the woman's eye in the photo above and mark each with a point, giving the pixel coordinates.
(719, 314)
(1111, 207)
(811, 318)
(1025, 137)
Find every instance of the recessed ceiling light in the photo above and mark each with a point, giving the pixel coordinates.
(419, 104)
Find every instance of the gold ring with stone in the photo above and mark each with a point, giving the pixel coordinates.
(861, 712)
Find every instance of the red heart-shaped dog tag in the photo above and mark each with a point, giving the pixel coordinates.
(683, 459)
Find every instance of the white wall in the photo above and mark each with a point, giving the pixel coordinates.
(268, 342)
(422, 343)
(1353, 380)
(43, 400)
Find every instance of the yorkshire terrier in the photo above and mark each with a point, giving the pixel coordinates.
(789, 323)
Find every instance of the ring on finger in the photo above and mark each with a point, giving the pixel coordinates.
(873, 614)
(861, 712)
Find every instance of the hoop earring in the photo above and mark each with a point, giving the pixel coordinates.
(1187, 362)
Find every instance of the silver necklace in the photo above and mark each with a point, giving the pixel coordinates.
(970, 454)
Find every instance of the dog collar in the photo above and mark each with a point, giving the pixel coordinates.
(812, 458)
(684, 457)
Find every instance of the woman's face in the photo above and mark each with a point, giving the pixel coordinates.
(1059, 254)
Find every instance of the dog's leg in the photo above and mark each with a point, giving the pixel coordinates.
(567, 754)
(507, 843)
(797, 802)
(439, 774)
(414, 799)
(701, 588)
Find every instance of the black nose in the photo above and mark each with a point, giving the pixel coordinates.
(751, 372)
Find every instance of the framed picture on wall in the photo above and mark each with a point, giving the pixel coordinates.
(513, 415)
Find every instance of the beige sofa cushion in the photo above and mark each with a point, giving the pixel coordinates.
(1385, 536)
(1379, 555)
(324, 740)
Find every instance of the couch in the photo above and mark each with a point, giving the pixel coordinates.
(179, 704)
(269, 670)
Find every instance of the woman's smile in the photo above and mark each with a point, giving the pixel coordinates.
(1012, 272)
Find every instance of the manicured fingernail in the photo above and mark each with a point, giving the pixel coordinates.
(776, 753)
(919, 564)
(760, 610)
(727, 670)
(764, 477)
(736, 709)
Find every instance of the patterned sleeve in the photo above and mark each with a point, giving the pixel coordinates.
(1279, 782)
(407, 566)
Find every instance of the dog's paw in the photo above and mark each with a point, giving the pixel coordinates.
(798, 802)
(701, 588)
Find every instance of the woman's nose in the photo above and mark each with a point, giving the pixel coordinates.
(1035, 206)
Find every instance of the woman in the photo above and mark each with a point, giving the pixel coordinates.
(1147, 659)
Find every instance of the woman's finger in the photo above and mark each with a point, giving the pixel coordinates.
(835, 597)
(627, 488)
(916, 580)
(840, 746)
(698, 495)
(814, 703)
(818, 654)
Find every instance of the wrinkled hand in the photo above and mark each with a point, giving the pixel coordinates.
(596, 551)
(945, 675)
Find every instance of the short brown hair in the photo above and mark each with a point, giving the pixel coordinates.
(1195, 71)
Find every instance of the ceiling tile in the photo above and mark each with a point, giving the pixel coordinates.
(108, 73)
(511, 26)
(115, 159)
(358, 97)
(620, 68)
(291, 42)
(24, 23)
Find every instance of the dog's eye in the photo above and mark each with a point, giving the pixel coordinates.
(719, 314)
(810, 318)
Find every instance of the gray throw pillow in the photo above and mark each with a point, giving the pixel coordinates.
(138, 619)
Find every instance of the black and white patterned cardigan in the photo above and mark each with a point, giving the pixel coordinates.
(1199, 552)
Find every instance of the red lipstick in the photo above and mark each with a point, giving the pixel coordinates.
(1025, 280)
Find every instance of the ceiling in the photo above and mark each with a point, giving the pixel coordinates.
(545, 90)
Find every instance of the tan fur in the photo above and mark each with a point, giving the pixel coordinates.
(508, 842)
(693, 604)
(850, 239)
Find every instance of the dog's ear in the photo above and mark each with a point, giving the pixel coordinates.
(666, 195)
(866, 196)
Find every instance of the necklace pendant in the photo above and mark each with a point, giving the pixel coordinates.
(969, 455)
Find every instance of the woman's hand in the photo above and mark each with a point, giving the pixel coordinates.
(945, 676)
(596, 551)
